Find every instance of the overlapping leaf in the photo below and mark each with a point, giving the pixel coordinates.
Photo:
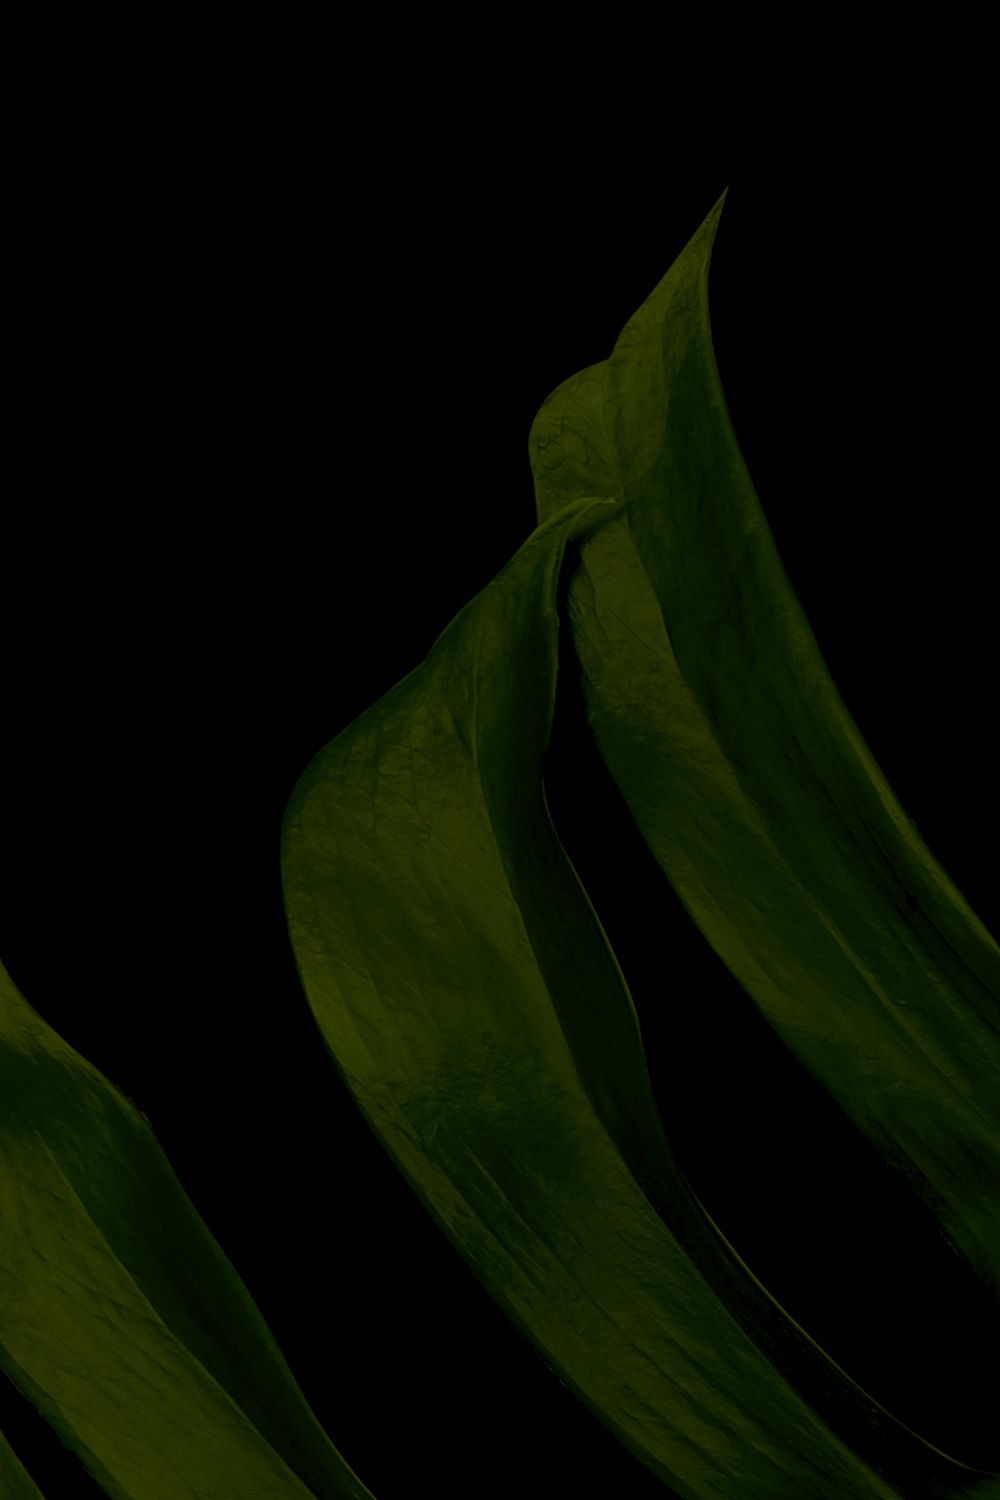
(469, 998)
(716, 716)
(120, 1317)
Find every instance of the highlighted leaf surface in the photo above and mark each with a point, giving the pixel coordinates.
(120, 1317)
(468, 996)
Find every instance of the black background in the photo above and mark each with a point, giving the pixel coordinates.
(272, 431)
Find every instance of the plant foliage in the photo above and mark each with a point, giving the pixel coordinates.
(470, 999)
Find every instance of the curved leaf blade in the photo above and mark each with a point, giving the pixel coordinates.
(464, 989)
(120, 1317)
(716, 716)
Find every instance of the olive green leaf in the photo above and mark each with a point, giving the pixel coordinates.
(470, 1000)
(717, 718)
(15, 1482)
(120, 1317)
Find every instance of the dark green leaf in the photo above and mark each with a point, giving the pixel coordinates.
(715, 714)
(468, 997)
(15, 1483)
(120, 1317)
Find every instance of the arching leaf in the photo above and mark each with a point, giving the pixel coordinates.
(715, 714)
(468, 997)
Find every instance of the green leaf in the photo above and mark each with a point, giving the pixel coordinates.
(120, 1317)
(15, 1482)
(716, 716)
(469, 998)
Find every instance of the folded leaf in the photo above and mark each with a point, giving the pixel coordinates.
(469, 998)
(715, 714)
(120, 1317)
